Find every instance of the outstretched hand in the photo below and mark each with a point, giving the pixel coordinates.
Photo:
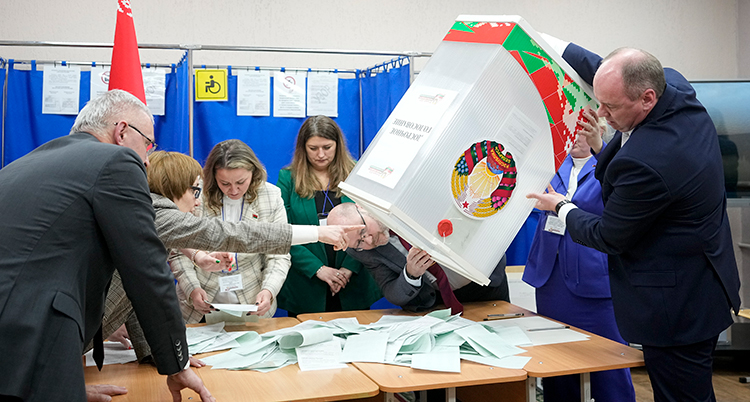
(215, 262)
(546, 201)
(335, 235)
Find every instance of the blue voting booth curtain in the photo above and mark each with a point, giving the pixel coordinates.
(271, 138)
(172, 131)
(27, 128)
(380, 95)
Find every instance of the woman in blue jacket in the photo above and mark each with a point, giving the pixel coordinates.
(571, 280)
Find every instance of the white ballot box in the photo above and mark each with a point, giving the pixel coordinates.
(488, 120)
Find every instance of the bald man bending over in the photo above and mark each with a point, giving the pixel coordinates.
(402, 274)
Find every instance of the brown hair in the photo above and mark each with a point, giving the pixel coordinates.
(170, 174)
(304, 179)
(231, 154)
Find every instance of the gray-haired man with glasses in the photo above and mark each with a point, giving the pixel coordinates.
(87, 213)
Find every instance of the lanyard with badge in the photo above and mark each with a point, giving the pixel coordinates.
(323, 215)
(231, 281)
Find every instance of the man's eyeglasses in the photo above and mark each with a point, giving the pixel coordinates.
(150, 144)
(196, 191)
(362, 233)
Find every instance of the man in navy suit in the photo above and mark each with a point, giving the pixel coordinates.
(402, 274)
(673, 275)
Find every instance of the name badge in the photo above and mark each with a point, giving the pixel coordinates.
(322, 219)
(230, 283)
(554, 225)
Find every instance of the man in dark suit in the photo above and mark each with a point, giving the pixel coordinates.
(74, 210)
(402, 274)
(664, 225)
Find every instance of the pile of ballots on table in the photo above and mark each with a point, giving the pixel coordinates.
(436, 341)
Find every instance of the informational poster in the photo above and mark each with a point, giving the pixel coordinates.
(154, 83)
(288, 94)
(253, 93)
(404, 133)
(99, 81)
(323, 94)
(60, 86)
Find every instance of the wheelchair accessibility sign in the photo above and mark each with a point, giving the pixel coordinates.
(211, 85)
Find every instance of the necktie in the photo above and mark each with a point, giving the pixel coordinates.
(446, 293)
(98, 353)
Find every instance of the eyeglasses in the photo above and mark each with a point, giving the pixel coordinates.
(196, 191)
(150, 144)
(362, 233)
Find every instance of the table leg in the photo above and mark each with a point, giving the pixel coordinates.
(531, 389)
(450, 394)
(586, 387)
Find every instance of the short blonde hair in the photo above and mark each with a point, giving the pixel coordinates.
(170, 174)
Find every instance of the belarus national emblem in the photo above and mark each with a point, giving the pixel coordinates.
(483, 179)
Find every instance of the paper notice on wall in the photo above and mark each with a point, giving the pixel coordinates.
(323, 94)
(288, 94)
(253, 93)
(60, 87)
(404, 133)
(154, 83)
(99, 81)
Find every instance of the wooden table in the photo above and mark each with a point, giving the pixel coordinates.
(584, 357)
(392, 379)
(287, 384)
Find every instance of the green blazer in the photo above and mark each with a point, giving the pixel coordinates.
(303, 292)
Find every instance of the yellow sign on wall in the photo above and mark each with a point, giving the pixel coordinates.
(211, 85)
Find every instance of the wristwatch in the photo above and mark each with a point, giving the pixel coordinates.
(414, 278)
(560, 204)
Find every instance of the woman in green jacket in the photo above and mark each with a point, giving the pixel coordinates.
(320, 278)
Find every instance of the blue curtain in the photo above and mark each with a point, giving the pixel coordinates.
(271, 138)
(172, 130)
(380, 94)
(26, 127)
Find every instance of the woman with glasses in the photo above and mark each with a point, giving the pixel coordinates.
(321, 279)
(235, 190)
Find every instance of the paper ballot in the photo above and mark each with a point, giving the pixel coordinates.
(488, 120)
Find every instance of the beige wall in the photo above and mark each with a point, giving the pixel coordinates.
(743, 42)
(703, 39)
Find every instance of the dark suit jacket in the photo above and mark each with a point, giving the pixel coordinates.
(73, 210)
(386, 264)
(584, 269)
(672, 268)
